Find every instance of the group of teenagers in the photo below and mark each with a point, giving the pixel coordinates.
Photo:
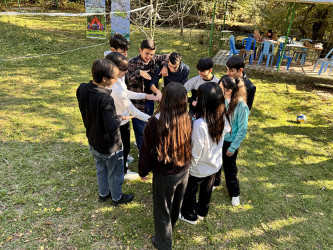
(184, 142)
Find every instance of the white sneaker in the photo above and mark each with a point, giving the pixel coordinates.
(214, 187)
(193, 222)
(135, 144)
(235, 201)
(131, 175)
(200, 218)
(130, 158)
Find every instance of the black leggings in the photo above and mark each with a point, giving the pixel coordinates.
(230, 171)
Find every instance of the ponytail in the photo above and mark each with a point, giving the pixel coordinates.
(238, 92)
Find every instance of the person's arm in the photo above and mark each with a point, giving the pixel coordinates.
(162, 60)
(121, 98)
(185, 75)
(197, 141)
(110, 119)
(155, 79)
(133, 73)
(156, 91)
(145, 164)
(242, 120)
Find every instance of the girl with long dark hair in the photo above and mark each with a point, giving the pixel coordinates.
(235, 95)
(207, 141)
(166, 150)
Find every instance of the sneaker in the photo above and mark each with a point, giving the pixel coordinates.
(131, 175)
(130, 159)
(200, 218)
(214, 187)
(153, 241)
(235, 201)
(104, 198)
(135, 144)
(193, 222)
(125, 198)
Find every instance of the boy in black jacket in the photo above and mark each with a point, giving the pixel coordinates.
(235, 69)
(102, 130)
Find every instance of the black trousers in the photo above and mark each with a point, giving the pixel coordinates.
(168, 193)
(125, 132)
(230, 171)
(191, 208)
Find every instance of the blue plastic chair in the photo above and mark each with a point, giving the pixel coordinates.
(290, 58)
(324, 62)
(265, 51)
(302, 52)
(233, 50)
(248, 46)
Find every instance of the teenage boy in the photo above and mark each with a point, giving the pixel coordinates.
(140, 71)
(205, 68)
(177, 71)
(121, 96)
(235, 69)
(102, 130)
(118, 43)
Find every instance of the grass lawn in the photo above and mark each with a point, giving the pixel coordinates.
(48, 189)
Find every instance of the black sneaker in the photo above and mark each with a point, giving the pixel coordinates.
(125, 198)
(153, 241)
(102, 199)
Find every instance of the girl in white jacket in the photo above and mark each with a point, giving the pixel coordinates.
(207, 141)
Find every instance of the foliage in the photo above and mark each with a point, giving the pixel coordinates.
(48, 190)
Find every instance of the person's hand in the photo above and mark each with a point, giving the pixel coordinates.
(151, 97)
(164, 72)
(127, 117)
(194, 103)
(144, 178)
(145, 75)
(159, 95)
(228, 153)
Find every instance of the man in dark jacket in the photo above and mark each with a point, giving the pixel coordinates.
(177, 71)
(102, 130)
(235, 69)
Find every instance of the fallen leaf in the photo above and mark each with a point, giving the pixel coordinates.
(26, 241)
(58, 209)
(249, 201)
(49, 222)
(9, 238)
(18, 234)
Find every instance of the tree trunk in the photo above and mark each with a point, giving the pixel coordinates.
(319, 27)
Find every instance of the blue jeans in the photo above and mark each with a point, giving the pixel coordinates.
(110, 173)
(139, 125)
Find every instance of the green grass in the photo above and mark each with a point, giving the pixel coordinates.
(48, 190)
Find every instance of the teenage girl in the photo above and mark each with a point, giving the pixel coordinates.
(166, 150)
(207, 140)
(235, 100)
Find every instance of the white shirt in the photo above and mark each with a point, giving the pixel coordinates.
(124, 107)
(206, 154)
(196, 81)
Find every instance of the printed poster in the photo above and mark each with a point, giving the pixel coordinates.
(96, 23)
(120, 21)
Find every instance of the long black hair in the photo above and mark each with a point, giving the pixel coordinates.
(174, 126)
(238, 92)
(211, 107)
